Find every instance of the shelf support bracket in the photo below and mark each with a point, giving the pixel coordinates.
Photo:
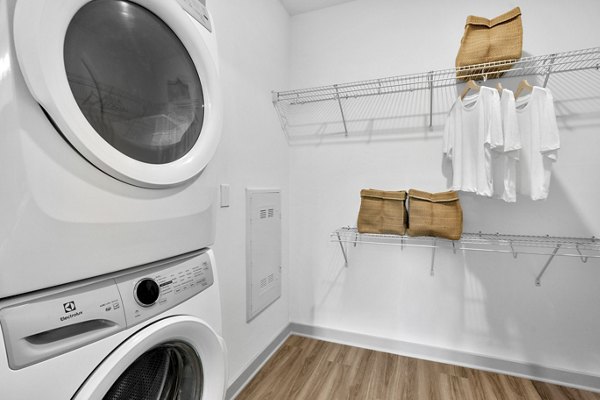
(343, 250)
(432, 271)
(584, 259)
(430, 80)
(538, 280)
(512, 249)
(549, 70)
(337, 96)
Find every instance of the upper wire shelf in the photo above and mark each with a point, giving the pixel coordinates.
(552, 246)
(335, 108)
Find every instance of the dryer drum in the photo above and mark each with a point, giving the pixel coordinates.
(134, 81)
(167, 372)
(133, 85)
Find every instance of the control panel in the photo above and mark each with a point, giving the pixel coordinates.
(197, 10)
(44, 326)
(159, 289)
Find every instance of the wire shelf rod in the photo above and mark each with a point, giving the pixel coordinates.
(545, 66)
(514, 243)
(487, 237)
(346, 96)
(584, 248)
(437, 246)
(402, 87)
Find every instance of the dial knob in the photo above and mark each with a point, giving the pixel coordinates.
(146, 292)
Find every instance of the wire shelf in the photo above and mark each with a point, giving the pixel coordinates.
(552, 246)
(495, 242)
(332, 109)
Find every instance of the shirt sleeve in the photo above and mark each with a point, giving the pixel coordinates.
(549, 141)
(449, 128)
(495, 137)
(512, 137)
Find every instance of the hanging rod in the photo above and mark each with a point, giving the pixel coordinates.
(552, 246)
(545, 66)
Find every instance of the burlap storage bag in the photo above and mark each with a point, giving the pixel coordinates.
(434, 214)
(489, 40)
(382, 212)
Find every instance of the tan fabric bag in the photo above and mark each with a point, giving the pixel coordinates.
(382, 212)
(488, 40)
(434, 214)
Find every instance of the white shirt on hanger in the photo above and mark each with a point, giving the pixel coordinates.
(505, 158)
(473, 128)
(539, 140)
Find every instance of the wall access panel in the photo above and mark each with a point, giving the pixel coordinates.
(263, 249)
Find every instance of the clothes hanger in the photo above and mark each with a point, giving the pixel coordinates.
(499, 88)
(471, 85)
(522, 86)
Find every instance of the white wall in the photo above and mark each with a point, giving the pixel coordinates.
(253, 40)
(478, 303)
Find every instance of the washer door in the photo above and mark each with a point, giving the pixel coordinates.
(131, 84)
(175, 358)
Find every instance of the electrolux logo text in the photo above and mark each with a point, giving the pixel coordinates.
(70, 309)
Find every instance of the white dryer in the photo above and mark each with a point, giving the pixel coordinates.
(110, 111)
(152, 333)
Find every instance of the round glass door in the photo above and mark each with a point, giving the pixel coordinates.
(134, 81)
(170, 371)
(175, 358)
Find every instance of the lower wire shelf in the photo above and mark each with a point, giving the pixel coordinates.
(551, 246)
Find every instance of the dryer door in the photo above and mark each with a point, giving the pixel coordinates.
(174, 358)
(131, 84)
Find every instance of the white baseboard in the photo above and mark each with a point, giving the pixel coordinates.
(572, 379)
(246, 376)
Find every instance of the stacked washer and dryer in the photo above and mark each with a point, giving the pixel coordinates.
(110, 112)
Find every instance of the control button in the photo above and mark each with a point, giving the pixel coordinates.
(146, 292)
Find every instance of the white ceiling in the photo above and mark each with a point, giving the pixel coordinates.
(295, 7)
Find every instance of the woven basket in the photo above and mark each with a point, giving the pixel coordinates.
(434, 214)
(382, 212)
(489, 40)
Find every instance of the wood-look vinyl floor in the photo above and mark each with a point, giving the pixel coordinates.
(309, 369)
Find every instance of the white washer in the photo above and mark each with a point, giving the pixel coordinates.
(152, 333)
(110, 111)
